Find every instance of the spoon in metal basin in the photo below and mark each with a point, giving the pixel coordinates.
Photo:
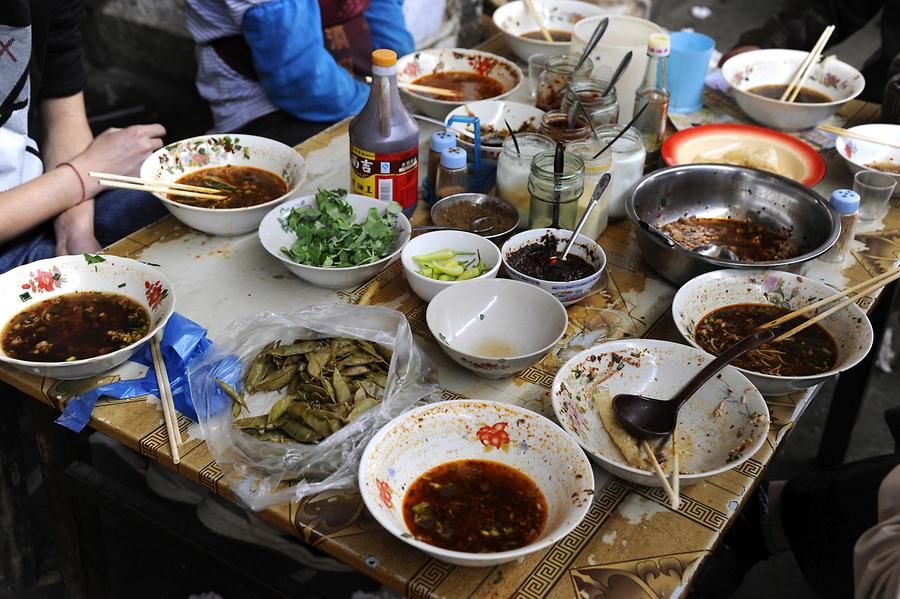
(647, 418)
(478, 226)
(710, 250)
(598, 191)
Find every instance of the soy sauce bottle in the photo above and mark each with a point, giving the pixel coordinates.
(384, 141)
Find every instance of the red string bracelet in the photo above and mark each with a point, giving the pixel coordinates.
(80, 180)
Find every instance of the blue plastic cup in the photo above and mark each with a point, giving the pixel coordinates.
(688, 61)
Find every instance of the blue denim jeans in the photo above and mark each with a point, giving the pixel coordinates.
(117, 214)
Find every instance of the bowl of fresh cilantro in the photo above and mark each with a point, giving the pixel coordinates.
(335, 239)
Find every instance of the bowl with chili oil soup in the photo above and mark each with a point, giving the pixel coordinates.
(475, 483)
(719, 428)
(522, 34)
(758, 80)
(715, 310)
(252, 174)
(472, 74)
(532, 257)
(74, 317)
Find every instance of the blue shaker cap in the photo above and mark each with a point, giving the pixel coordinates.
(844, 201)
(453, 158)
(442, 140)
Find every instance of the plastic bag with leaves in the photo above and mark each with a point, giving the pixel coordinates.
(263, 473)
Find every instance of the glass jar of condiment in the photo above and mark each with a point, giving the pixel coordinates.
(554, 199)
(559, 73)
(594, 168)
(604, 110)
(555, 125)
(627, 164)
(514, 168)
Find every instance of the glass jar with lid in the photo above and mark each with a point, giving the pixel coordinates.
(627, 164)
(560, 71)
(554, 198)
(555, 125)
(514, 168)
(604, 110)
(594, 168)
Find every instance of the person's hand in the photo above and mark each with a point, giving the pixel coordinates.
(74, 230)
(117, 151)
(735, 52)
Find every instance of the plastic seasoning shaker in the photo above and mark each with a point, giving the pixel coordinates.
(452, 173)
(845, 203)
(440, 141)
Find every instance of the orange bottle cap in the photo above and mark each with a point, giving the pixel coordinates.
(384, 58)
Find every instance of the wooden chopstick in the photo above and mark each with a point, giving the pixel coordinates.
(854, 135)
(425, 89)
(816, 61)
(673, 498)
(537, 19)
(161, 189)
(166, 401)
(806, 65)
(150, 182)
(676, 474)
(834, 297)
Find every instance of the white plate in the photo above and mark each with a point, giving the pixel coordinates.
(857, 154)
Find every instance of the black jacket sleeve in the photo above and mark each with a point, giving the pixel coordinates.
(63, 71)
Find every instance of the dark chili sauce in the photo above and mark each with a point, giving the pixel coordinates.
(536, 260)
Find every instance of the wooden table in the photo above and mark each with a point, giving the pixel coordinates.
(630, 540)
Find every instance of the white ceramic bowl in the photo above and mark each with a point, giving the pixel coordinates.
(567, 293)
(493, 116)
(496, 327)
(176, 160)
(460, 241)
(439, 60)
(850, 328)
(857, 154)
(419, 440)
(659, 369)
(273, 237)
(513, 20)
(33, 283)
(837, 80)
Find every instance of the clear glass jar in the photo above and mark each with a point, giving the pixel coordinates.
(554, 199)
(559, 73)
(514, 168)
(555, 125)
(594, 168)
(627, 164)
(604, 110)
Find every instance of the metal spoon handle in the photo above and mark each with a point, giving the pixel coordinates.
(748, 343)
(623, 64)
(656, 233)
(598, 191)
(595, 38)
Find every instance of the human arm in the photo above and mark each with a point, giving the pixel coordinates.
(388, 28)
(876, 557)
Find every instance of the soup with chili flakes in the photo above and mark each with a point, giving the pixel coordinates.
(811, 351)
(476, 506)
(749, 241)
(243, 186)
(74, 326)
(468, 86)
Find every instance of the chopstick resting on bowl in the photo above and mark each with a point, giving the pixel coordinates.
(854, 135)
(851, 294)
(536, 15)
(793, 89)
(674, 500)
(425, 89)
(166, 401)
(175, 189)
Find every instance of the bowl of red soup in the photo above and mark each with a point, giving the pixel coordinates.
(470, 75)
(715, 310)
(74, 317)
(475, 483)
(250, 176)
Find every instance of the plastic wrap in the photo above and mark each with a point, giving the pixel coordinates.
(258, 469)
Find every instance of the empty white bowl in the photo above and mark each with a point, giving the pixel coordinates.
(415, 442)
(273, 237)
(569, 292)
(513, 20)
(837, 80)
(496, 327)
(178, 159)
(708, 444)
(460, 241)
(858, 154)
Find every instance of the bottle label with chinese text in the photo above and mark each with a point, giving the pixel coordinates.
(386, 177)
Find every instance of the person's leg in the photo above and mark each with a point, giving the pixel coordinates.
(120, 212)
(283, 127)
(37, 244)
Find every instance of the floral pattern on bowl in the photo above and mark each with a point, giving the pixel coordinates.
(429, 436)
(850, 328)
(860, 154)
(513, 20)
(721, 426)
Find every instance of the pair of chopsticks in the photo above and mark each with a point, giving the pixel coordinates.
(174, 189)
(673, 490)
(537, 19)
(854, 135)
(425, 89)
(793, 89)
(166, 400)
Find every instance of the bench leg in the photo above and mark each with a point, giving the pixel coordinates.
(17, 554)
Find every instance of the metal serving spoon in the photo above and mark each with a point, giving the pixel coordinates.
(645, 417)
(710, 250)
(595, 38)
(478, 226)
(598, 191)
